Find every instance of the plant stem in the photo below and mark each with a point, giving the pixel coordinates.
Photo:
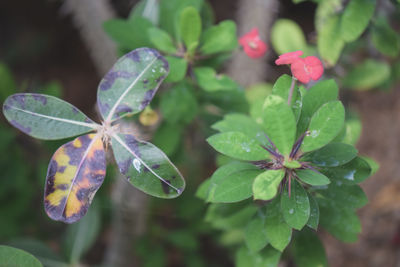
(291, 90)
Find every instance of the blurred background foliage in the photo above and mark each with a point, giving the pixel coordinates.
(41, 50)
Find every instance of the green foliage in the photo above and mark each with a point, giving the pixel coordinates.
(10, 256)
(190, 28)
(385, 39)
(219, 38)
(287, 36)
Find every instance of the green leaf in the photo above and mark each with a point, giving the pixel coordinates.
(312, 177)
(282, 88)
(210, 81)
(385, 39)
(367, 75)
(287, 36)
(353, 172)
(7, 83)
(372, 163)
(190, 28)
(148, 9)
(296, 207)
(331, 155)
(351, 131)
(179, 105)
(129, 34)
(268, 257)
(45, 117)
(330, 43)
(308, 250)
(81, 236)
(233, 187)
(339, 221)
(318, 95)
(238, 145)
(230, 216)
(355, 18)
(241, 123)
(279, 123)
(219, 38)
(146, 167)
(265, 186)
(131, 83)
(325, 124)
(313, 221)
(255, 235)
(258, 92)
(278, 232)
(161, 40)
(178, 69)
(10, 256)
(75, 173)
(352, 195)
(170, 14)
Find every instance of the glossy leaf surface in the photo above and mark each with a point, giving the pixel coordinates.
(353, 172)
(131, 83)
(313, 221)
(232, 182)
(265, 186)
(312, 177)
(279, 123)
(76, 171)
(296, 207)
(146, 167)
(238, 145)
(332, 155)
(352, 195)
(45, 117)
(325, 125)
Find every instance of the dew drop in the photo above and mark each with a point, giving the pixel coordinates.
(291, 211)
(314, 133)
(246, 147)
(350, 175)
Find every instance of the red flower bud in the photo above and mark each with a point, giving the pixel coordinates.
(252, 44)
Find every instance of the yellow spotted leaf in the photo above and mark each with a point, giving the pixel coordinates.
(76, 171)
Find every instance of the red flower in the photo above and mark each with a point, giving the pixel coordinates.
(252, 44)
(307, 68)
(288, 58)
(304, 69)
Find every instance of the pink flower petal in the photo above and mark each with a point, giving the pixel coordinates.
(314, 67)
(288, 58)
(299, 70)
(252, 44)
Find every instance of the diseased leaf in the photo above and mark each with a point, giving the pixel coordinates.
(296, 207)
(331, 155)
(255, 236)
(312, 177)
(13, 257)
(308, 250)
(146, 167)
(314, 98)
(219, 38)
(325, 125)
(313, 221)
(355, 18)
(238, 145)
(353, 172)
(279, 123)
(278, 232)
(131, 83)
(45, 117)
(265, 186)
(76, 171)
